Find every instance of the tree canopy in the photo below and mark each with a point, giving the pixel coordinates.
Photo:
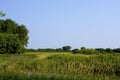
(13, 37)
(66, 48)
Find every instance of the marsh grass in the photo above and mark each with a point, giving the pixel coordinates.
(59, 66)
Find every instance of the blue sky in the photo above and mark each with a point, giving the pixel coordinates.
(78, 23)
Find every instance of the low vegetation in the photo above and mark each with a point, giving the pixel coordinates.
(59, 66)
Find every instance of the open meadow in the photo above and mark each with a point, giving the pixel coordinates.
(59, 66)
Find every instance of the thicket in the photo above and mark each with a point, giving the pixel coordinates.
(13, 37)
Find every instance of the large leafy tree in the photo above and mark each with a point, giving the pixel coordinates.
(14, 37)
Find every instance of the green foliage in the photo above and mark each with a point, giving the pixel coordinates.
(66, 48)
(9, 43)
(14, 37)
(100, 50)
(117, 50)
(59, 50)
(96, 51)
(41, 76)
(95, 64)
(75, 51)
(108, 50)
(31, 50)
(85, 51)
(45, 50)
(82, 47)
(33, 66)
(23, 34)
(88, 51)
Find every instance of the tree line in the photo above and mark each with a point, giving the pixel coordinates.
(63, 49)
(82, 50)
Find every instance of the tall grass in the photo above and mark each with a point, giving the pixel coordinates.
(43, 66)
(99, 64)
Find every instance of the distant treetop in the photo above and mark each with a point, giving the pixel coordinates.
(2, 14)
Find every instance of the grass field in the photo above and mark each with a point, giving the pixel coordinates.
(59, 66)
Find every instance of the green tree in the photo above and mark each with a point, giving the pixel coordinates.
(82, 47)
(66, 48)
(108, 50)
(11, 32)
(117, 50)
(22, 32)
